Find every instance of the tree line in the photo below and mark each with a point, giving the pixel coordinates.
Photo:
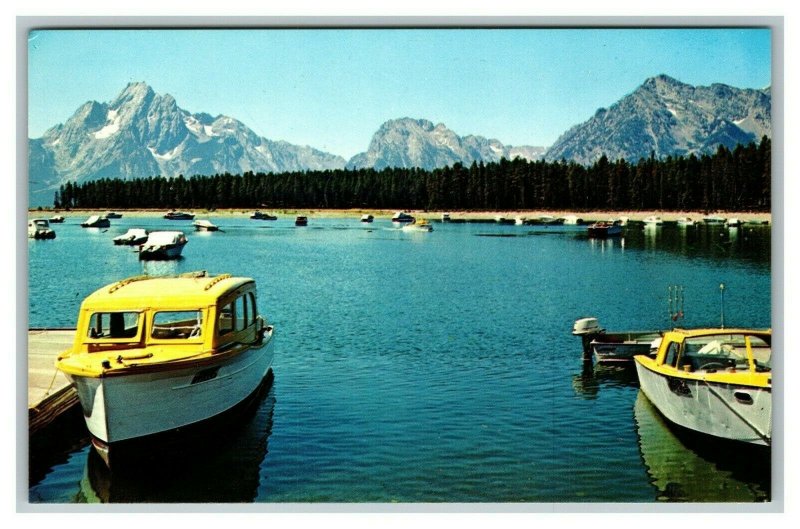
(737, 179)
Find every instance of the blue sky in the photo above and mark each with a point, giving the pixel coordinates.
(333, 88)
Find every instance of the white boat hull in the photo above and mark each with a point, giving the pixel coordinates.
(121, 408)
(736, 412)
(172, 251)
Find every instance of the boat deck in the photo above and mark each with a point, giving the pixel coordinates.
(49, 391)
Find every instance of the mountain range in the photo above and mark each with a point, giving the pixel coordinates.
(141, 133)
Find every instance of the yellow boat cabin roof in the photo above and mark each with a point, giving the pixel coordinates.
(189, 290)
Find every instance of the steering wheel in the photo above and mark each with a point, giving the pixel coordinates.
(714, 365)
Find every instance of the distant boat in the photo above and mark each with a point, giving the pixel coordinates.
(56, 219)
(549, 219)
(603, 229)
(623, 221)
(418, 225)
(402, 216)
(713, 219)
(40, 229)
(113, 215)
(572, 220)
(96, 221)
(686, 221)
(257, 215)
(653, 220)
(205, 225)
(162, 245)
(133, 237)
(445, 217)
(367, 218)
(733, 223)
(301, 221)
(178, 215)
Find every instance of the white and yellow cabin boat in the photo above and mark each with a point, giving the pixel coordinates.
(714, 381)
(156, 354)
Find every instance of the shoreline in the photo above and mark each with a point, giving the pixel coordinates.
(586, 216)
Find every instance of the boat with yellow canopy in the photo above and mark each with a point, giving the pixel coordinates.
(714, 381)
(153, 355)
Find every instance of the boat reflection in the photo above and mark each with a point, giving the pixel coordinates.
(220, 466)
(588, 382)
(607, 244)
(685, 466)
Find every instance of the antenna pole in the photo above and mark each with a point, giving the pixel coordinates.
(722, 304)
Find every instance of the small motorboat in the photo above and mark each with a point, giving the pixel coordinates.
(257, 215)
(205, 225)
(301, 221)
(549, 219)
(686, 221)
(733, 222)
(714, 381)
(573, 220)
(614, 347)
(157, 358)
(402, 217)
(132, 237)
(713, 219)
(418, 225)
(113, 215)
(603, 229)
(445, 217)
(40, 229)
(520, 221)
(178, 215)
(56, 219)
(367, 218)
(653, 220)
(96, 221)
(163, 245)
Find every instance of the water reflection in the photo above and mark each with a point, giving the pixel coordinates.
(593, 376)
(607, 244)
(750, 242)
(684, 466)
(214, 469)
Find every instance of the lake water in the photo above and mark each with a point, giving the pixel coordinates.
(430, 367)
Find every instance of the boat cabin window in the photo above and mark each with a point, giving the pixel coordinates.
(252, 304)
(225, 320)
(729, 351)
(237, 315)
(113, 325)
(241, 313)
(177, 325)
(673, 354)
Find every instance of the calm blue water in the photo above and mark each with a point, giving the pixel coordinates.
(438, 367)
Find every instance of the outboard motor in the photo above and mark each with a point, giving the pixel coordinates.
(587, 329)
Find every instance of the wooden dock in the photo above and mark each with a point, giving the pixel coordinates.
(50, 393)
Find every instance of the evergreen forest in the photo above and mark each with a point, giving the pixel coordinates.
(733, 180)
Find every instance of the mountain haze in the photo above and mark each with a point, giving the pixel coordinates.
(667, 117)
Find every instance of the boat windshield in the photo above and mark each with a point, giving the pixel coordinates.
(113, 325)
(728, 351)
(177, 325)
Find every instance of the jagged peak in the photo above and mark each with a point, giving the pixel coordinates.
(135, 92)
